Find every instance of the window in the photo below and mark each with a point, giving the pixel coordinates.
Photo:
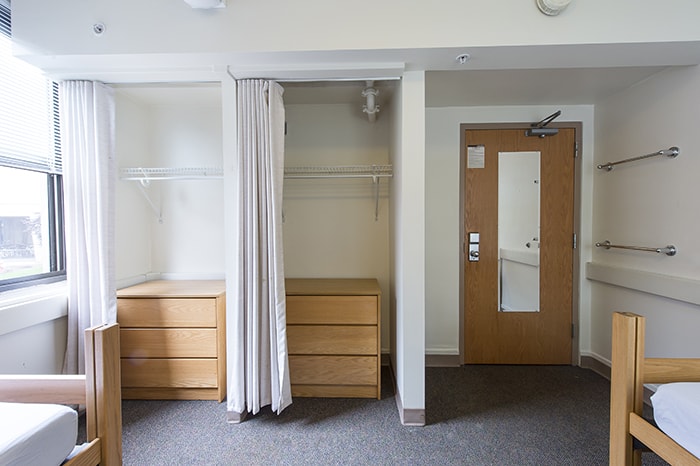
(31, 201)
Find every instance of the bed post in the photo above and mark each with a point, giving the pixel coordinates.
(625, 391)
(104, 391)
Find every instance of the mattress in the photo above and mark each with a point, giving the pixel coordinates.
(36, 434)
(677, 413)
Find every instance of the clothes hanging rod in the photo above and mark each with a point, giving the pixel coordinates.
(144, 175)
(335, 80)
(342, 171)
(317, 79)
(671, 152)
(669, 250)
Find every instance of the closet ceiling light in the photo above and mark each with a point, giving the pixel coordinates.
(552, 7)
(206, 4)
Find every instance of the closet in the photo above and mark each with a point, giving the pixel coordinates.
(336, 226)
(338, 170)
(171, 226)
(170, 233)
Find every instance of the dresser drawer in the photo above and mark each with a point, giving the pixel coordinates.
(168, 343)
(174, 373)
(166, 312)
(329, 339)
(333, 370)
(332, 310)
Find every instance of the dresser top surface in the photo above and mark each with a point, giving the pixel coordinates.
(332, 287)
(174, 289)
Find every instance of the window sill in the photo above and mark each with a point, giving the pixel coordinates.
(33, 305)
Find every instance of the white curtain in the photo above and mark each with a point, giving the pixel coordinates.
(258, 367)
(89, 175)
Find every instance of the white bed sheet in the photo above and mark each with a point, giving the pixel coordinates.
(677, 413)
(36, 434)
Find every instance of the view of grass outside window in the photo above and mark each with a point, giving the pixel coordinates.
(24, 220)
(31, 210)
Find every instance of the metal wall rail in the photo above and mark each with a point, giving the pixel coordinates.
(671, 152)
(669, 250)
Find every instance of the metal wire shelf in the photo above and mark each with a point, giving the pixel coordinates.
(146, 175)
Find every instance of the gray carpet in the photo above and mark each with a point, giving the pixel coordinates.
(476, 415)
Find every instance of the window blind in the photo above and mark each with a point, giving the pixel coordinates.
(5, 18)
(28, 105)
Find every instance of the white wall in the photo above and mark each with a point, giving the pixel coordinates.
(408, 233)
(443, 239)
(652, 202)
(330, 229)
(190, 240)
(33, 329)
(43, 356)
(133, 214)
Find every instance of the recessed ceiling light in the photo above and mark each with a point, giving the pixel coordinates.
(463, 58)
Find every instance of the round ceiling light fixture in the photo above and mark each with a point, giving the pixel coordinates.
(552, 7)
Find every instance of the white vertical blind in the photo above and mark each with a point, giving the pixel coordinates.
(27, 98)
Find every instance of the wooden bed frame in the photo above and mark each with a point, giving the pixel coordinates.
(630, 371)
(99, 390)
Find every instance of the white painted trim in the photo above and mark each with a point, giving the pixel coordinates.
(34, 305)
(668, 286)
(135, 280)
(191, 276)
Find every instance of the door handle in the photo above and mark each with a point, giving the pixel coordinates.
(474, 247)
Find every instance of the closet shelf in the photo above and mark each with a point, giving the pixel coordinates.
(199, 173)
(342, 171)
(146, 175)
(185, 173)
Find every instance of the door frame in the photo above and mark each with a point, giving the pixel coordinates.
(575, 298)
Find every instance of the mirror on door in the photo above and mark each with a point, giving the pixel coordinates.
(519, 231)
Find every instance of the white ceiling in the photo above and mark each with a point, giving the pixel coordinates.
(569, 86)
(493, 76)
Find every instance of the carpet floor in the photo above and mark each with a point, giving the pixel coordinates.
(475, 415)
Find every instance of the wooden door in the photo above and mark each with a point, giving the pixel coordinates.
(492, 336)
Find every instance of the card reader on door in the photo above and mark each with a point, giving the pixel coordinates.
(473, 250)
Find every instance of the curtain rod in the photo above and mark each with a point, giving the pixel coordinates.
(320, 80)
(309, 80)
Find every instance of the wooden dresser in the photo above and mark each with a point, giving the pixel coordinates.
(333, 335)
(173, 340)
